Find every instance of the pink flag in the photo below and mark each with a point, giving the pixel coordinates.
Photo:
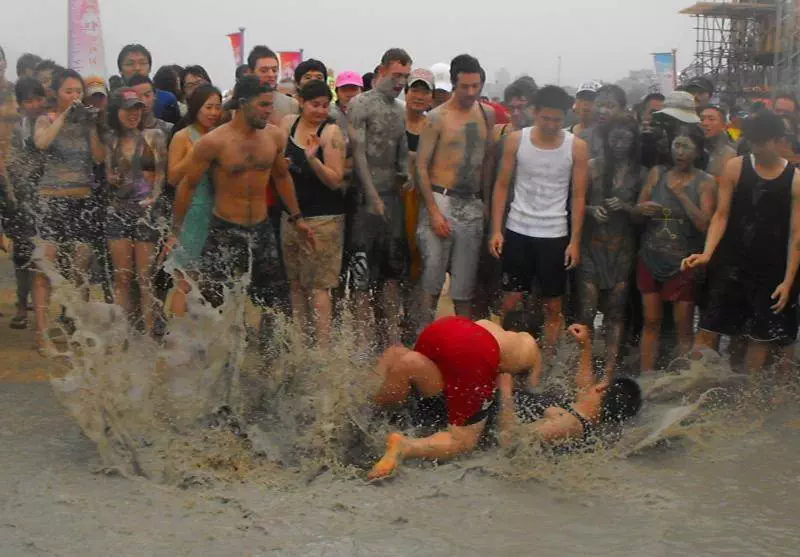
(237, 44)
(85, 48)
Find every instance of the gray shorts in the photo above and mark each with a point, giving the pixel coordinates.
(459, 253)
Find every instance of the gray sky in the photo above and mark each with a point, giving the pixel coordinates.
(596, 40)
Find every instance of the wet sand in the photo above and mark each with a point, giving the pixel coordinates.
(735, 496)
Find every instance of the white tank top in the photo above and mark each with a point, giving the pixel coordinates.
(541, 189)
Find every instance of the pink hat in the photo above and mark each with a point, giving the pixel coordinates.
(349, 78)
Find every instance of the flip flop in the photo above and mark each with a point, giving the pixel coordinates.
(18, 322)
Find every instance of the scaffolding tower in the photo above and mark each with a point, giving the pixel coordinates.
(735, 46)
(786, 63)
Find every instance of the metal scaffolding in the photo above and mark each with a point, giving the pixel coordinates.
(735, 46)
(786, 63)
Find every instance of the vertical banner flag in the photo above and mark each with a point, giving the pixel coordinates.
(289, 60)
(237, 44)
(665, 71)
(85, 35)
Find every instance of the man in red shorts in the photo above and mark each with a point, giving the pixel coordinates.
(453, 367)
(453, 371)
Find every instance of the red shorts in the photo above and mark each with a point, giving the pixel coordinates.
(468, 357)
(679, 288)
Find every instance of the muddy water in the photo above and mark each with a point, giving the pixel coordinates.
(727, 483)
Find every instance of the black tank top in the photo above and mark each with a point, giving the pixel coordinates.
(759, 224)
(413, 141)
(315, 198)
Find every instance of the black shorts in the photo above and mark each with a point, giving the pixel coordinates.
(127, 220)
(739, 305)
(64, 220)
(526, 259)
(232, 250)
(379, 251)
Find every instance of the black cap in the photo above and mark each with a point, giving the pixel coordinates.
(246, 88)
(699, 83)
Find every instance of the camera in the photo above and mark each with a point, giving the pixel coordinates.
(82, 113)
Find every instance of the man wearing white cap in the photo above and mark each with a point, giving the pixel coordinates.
(584, 106)
(444, 89)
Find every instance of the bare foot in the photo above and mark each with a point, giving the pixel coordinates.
(387, 466)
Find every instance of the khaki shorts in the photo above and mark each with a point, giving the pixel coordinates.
(319, 269)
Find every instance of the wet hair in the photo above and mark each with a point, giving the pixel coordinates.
(519, 322)
(652, 97)
(167, 79)
(61, 75)
(46, 65)
(28, 88)
(27, 61)
(620, 122)
(695, 133)
(241, 71)
(195, 70)
(464, 63)
(524, 88)
(309, 65)
(247, 88)
(615, 91)
(622, 400)
(367, 79)
(197, 99)
(315, 89)
(789, 97)
(139, 79)
(257, 54)
(129, 49)
(763, 126)
(551, 96)
(395, 55)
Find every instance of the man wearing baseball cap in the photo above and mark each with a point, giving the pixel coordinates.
(441, 78)
(419, 98)
(96, 92)
(584, 106)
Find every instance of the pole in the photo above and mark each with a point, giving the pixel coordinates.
(241, 32)
(558, 80)
(674, 68)
(776, 60)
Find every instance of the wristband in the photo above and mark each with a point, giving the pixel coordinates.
(294, 218)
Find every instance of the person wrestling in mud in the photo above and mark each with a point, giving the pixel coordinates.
(461, 374)
(241, 157)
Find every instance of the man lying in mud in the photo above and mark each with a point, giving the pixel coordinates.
(460, 373)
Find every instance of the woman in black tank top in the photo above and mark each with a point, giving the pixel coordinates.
(316, 152)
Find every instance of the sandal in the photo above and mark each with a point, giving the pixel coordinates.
(19, 322)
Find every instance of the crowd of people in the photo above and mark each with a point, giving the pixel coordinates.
(342, 195)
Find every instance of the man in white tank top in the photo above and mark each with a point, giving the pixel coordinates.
(539, 242)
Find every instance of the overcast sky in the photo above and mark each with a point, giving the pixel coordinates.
(596, 40)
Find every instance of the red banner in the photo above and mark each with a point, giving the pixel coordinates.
(289, 61)
(237, 44)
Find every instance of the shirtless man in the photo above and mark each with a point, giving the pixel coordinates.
(263, 63)
(454, 371)
(453, 169)
(242, 156)
(380, 157)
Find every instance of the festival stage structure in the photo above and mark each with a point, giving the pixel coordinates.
(749, 49)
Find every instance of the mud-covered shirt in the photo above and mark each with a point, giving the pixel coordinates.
(379, 123)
